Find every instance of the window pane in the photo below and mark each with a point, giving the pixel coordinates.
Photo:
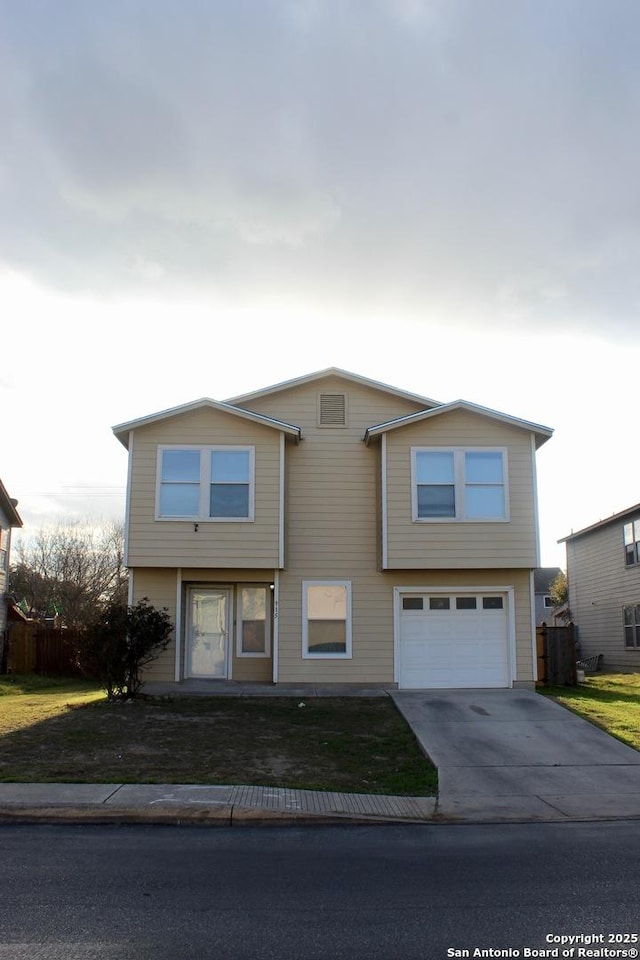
(628, 533)
(254, 636)
(254, 603)
(436, 501)
(637, 613)
(327, 602)
(230, 466)
(484, 502)
(492, 603)
(181, 465)
(628, 614)
(630, 554)
(412, 603)
(483, 467)
(229, 500)
(179, 499)
(636, 530)
(629, 638)
(466, 603)
(327, 636)
(434, 468)
(439, 603)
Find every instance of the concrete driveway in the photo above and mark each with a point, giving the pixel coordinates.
(515, 755)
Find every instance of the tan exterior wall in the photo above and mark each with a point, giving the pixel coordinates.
(372, 616)
(600, 584)
(333, 527)
(162, 586)
(215, 544)
(460, 544)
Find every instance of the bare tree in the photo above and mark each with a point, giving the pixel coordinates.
(72, 570)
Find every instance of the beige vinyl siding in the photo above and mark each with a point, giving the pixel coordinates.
(460, 544)
(600, 585)
(333, 523)
(160, 587)
(215, 544)
(372, 622)
(333, 533)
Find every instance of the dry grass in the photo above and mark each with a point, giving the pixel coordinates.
(68, 732)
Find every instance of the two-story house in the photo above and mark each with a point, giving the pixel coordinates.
(603, 571)
(333, 529)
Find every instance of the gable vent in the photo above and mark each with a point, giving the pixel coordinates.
(333, 410)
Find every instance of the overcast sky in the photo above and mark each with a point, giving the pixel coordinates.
(201, 198)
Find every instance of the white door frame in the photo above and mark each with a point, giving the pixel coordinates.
(228, 592)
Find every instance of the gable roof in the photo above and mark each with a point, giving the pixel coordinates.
(333, 372)
(8, 507)
(541, 433)
(122, 430)
(543, 577)
(614, 518)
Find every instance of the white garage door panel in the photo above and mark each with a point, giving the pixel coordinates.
(453, 648)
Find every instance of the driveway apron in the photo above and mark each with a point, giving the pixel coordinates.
(514, 754)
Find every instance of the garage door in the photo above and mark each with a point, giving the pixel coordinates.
(453, 640)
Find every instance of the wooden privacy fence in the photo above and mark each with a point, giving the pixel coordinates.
(556, 648)
(36, 649)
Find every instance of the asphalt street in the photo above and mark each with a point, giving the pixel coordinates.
(351, 892)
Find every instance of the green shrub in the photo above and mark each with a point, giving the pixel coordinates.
(120, 643)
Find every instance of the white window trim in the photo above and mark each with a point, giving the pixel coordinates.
(239, 621)
(459, 484)
(347, 655)
(205, 481)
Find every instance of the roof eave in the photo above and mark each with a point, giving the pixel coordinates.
(541, 432)
(9, 507)
(122, 430)
(328, 372)
(614, 518)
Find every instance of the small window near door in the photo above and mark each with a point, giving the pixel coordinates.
(253, 634)
(326, 619)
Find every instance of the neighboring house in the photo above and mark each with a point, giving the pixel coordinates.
(543, 577)
(333, 529)
(9, 517)
(603, 570)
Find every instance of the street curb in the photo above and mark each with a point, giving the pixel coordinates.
(186, 816)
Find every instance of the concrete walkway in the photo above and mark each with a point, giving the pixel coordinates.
(516, 755)
(221, 806)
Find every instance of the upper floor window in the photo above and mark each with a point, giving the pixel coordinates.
(632, 542)
(205, 483)
(458, 484)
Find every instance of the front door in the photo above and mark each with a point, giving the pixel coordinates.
(208, 632)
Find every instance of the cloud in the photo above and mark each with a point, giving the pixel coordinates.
(469, 162)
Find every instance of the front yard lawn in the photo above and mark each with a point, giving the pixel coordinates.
(66, 731)
(610, 700)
